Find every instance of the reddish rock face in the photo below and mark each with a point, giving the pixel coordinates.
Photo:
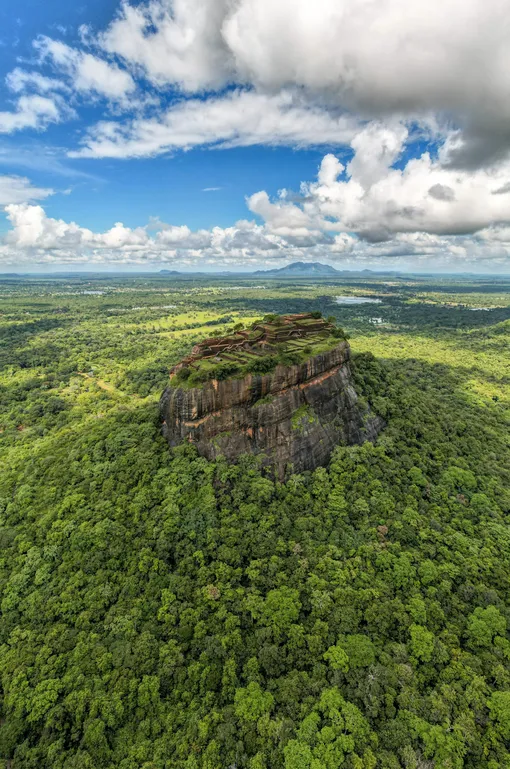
(306, 411)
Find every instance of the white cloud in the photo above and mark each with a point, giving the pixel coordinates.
(423, 196)
(364, 210)
(299, 68)
(377, 202)
(89, 73)
(279, 215)
(239, 118)
(495, 234)
(35, 235)
(33, 229)
(401, 57)
(361, 75)
(182, 237)
(289, 221)
(393, 55)
(376, 148)
(34, 112)
(289, 232)
(176, 42)
(19, 189)
(20, 80)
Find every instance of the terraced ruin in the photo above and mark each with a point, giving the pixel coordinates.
(285, 339)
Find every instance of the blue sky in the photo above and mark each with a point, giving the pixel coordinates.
(170, 186)
(247, 134)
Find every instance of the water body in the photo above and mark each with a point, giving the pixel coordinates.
(357, 300)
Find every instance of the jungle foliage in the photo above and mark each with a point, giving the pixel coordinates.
(160, 611)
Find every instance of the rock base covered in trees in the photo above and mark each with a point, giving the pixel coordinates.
(293, 416)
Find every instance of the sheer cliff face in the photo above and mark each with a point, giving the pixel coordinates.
(293, 416)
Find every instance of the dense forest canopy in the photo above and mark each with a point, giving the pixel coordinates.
(164, 612)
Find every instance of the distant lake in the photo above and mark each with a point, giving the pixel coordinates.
(357, 300)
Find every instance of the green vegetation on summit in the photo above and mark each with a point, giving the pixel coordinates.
(283, 340)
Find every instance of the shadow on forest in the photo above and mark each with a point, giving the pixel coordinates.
(23, 331)
(263, 306)
(20, 335)
(476, 339)
(459, 374)
(43, 353)
(439, 394)
(461, 288)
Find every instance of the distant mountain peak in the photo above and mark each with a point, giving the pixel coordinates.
(301, 268)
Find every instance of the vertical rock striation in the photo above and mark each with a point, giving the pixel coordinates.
(293, 416)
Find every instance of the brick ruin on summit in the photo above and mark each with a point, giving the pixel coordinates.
(262, 338)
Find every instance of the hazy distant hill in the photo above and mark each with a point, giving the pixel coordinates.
(169, 272)
(298, 269)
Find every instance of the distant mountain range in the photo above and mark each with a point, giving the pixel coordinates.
(301, 269)
(294, 270)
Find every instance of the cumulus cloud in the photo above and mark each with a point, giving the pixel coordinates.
(33, 229)
(35, 112)
(89, 74)
(368, 77)
(442, 192)
(376, 148)
(394, 60)
(19, 189)
(375, 200)
(289, 221)
(400, 60)
(503, 190)
(20, 80)
(394, 55)
(288, 231)
(36, 237)
(368, 208)
(171, 236)
(279, 215)
(239, 118)
(401, 57)
(178, 42)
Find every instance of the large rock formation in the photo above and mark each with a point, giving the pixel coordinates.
(293, 416)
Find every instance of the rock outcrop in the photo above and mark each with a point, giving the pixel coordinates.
(293, 416)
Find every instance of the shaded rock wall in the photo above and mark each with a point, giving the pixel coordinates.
(294, 416)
